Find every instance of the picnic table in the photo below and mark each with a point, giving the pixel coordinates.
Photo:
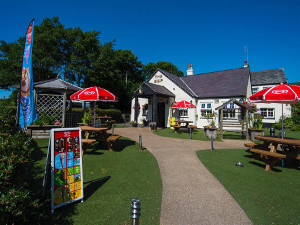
(182, 124)
(100, 135)
(106, 119)
(270, 152)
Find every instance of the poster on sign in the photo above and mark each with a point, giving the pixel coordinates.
(66, 166)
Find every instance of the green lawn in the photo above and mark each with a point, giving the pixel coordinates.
(111, 180)
(266, 197)
(198, 134)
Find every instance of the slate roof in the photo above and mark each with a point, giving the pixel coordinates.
(177, 80)
(56, 83)
(264, 77)
(150, 89)
(160, 89)
(226, 83)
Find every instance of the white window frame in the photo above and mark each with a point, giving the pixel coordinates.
(183, 112)
(206, 110)
(254, 90)
(266, 112)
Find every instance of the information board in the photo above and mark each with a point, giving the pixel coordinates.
(66, 166)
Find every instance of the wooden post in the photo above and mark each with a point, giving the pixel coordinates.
(155, 109)
(136, 110)
(247, 122)
(64, 109)
(221, 123)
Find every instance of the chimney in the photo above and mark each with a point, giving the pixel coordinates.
(190, 70)
(246, 64)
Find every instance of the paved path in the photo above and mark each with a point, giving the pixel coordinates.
(191, 194)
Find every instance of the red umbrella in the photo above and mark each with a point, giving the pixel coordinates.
(183, 105)
(94, 94)
(283, 93)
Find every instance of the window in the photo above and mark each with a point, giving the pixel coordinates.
(229, 112)
(205, 109)
(254, 90)
(183, 112)
(267, 113)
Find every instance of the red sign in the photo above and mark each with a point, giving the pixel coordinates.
(66, 164)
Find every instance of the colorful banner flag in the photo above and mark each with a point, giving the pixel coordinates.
(27, 107)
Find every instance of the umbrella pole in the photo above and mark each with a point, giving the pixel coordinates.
(94, 113)
(281, 120)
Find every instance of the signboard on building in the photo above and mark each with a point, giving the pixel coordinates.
(66, 166)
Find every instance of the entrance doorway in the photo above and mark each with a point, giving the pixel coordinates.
(161, 114)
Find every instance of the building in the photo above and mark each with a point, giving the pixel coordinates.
(260, 80)
(154, 99)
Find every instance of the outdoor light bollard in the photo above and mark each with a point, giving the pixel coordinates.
(135, 211)
(140, 142)
(190, 133)
(212, 142)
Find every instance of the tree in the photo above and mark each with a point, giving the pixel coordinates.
(150, 68)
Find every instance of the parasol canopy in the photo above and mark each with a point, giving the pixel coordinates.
(94, 94)
(183, 105)
(283, 93)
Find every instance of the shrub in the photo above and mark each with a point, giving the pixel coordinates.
(116, 114)
(44, 119)
(295, 128)
(287, 123)
(15, 166)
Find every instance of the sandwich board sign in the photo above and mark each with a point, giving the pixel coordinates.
(66, 166)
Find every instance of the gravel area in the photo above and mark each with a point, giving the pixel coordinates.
(191, 194)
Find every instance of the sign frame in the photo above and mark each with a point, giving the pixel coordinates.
(66, 167)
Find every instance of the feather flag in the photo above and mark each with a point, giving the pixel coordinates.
(27, 107)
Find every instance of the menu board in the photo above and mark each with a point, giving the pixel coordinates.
(172, 122)
(66, 166)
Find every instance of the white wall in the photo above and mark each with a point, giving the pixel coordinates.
(287, 112)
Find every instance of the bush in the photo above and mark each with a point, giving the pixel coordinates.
(287, 124)
(15, 167)
(295, 128)
(116, 114)
(44, 119)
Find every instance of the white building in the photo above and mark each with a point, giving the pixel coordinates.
(154, 98)
(260, 80)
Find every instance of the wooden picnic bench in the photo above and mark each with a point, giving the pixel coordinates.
(270, 158)
(86, 142)
(111, 140)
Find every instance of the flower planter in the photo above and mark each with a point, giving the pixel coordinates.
(36, 131)
(254, 132)
(211, 132)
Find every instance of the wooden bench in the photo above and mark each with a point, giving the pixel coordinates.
(256, 145)
(86, 142)
(192, 127)
(176, 127)
(111, 140)
(270, 158)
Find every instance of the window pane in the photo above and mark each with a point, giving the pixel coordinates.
(209, 105)
(203, 106)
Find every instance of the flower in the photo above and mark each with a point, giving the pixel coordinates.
(57, 123)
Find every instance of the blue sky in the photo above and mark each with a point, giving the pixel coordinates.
(209, 34)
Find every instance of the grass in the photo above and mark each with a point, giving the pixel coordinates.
(266, 197)
(111, 180)
(198, 134)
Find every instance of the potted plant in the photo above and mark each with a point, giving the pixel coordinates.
(256, 128)
(211, 130)
(145, 122)
(133, 123)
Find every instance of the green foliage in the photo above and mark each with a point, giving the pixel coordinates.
(87, 116)
(44, 119)
(296, 113)
(295, 128)
(15, 167)
(150, 68)
(211, 117)
(288, 123)
(116, 114)
(257, 121)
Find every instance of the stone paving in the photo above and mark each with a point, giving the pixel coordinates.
(191, 194)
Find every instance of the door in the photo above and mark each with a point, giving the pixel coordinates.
(161, 114)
